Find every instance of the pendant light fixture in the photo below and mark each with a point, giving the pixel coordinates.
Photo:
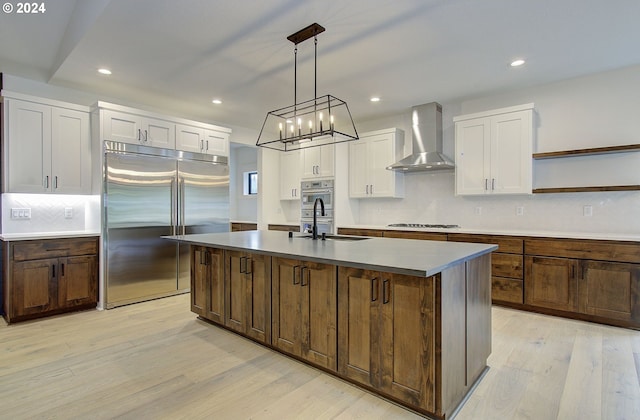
(316, 122)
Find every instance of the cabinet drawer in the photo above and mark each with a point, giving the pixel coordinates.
(506, 290)
(360, 232)
(584, 249)
(54, 248)
(507, 265)
(506, 244)
(426, 236)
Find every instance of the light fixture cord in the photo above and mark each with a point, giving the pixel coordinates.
(295, 81)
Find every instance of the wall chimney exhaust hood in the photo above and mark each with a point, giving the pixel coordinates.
(426, 140)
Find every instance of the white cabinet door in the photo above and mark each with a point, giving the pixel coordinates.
(189, 138)
(27, 164)
(290, 175)
(318, 162)
(122, 127)
(70, 152)
(158, 133)
(368, 161)
(216, 143)
(494, 153)
(511, 153)
(473, 149)
(358, 169)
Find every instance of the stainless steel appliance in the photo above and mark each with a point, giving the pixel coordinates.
(148, 193)
(309, 192)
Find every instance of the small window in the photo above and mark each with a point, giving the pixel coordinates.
(251, 183)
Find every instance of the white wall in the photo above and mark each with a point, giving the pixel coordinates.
(592, 111)
(242, 207)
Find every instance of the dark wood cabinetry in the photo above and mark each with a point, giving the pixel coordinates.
(304, 309)
(387, 333)
(507, 265)
(45, 277)
(238, 226)
(207, 283)
(594, 280)
(248, 294)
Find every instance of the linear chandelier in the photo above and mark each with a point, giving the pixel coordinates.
(316, 122)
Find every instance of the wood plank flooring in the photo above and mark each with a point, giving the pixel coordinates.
(155, 360)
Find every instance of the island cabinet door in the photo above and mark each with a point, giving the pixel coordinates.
(207, 283)
(305, 310)
(35, 287)
(406, 339)
(358, 304)
(248, 294)
(319, 313)
(199, 279)
(286, 299)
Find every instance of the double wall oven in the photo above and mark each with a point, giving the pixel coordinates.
(309, 192)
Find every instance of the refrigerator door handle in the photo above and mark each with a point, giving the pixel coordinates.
(183, 225)
(173, 210)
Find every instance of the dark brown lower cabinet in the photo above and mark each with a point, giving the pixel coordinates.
(207, 283)
(387, 333)
(248, 294)
(610, 290)
(304, 310)
(551, 283)
(45, 277)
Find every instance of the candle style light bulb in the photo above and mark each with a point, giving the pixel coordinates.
(310, 127)
(280, 127)
(331, 120)
(299, 126)
(320, 122)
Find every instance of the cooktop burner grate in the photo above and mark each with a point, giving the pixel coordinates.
(422, 225)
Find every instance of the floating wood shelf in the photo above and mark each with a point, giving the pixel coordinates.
(587, 189)
(586, 152)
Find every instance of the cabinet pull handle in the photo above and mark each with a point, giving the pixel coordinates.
(207, 145)
(146, 136)
(366, 189)
(242, 262)
(62, 269)
(304, 270)
(486, 184)
(493, 183)
(139, 135)
(46, 181)
(386, 291)
(55, 182)
(371, 189)
(201, 145)
(296, 275)
(53, 271)
(248, 265)
(374, 289)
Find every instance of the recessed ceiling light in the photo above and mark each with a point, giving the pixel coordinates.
(375, 99)
(517, 63)
(104, 71)
(216, 101)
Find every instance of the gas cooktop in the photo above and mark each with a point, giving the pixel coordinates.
(421, 225)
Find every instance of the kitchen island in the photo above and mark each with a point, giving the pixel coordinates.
(407, 320)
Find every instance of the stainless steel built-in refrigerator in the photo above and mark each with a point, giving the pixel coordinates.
(149, 193)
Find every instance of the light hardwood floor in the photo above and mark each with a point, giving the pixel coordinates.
(155, 360)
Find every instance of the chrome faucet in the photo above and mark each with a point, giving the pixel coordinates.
(314, 229)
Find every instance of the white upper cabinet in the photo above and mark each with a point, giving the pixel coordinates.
(318, 162)
(493, 151)
(47, 147)
(129, 125)
(290, 175)
(202, 140)
(368, 159)
(136, 129)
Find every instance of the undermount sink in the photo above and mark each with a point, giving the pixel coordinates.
(335, 237)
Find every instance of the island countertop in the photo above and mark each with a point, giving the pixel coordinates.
(402, 256)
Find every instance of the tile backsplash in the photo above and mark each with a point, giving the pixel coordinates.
(50, 213)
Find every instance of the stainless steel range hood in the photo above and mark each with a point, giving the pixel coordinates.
(427, 142)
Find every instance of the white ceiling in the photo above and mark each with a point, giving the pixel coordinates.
(180, 54)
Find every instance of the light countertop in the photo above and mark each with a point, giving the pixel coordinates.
(635, 237)
(8, 237)
(402, 256)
